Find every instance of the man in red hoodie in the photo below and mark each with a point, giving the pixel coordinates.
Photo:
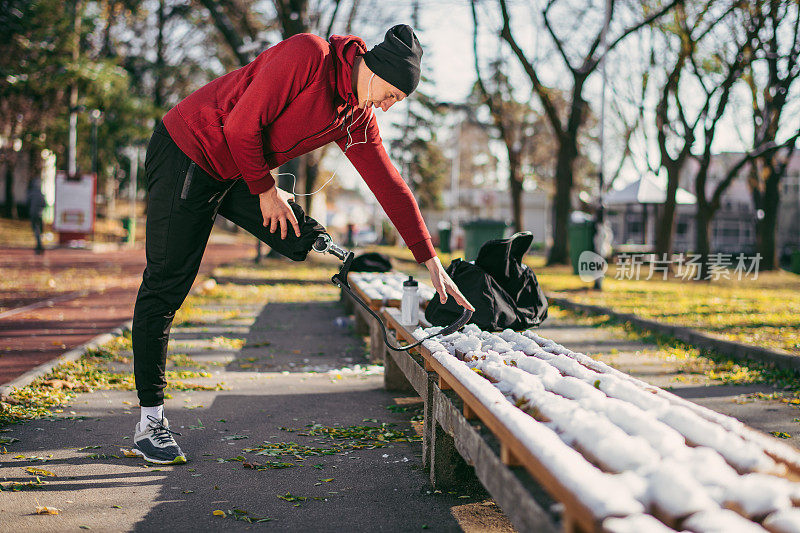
(213, 153)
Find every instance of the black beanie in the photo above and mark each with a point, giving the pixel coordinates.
(396, 60)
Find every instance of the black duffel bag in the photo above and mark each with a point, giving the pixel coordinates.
(371, 262)
(503, 290)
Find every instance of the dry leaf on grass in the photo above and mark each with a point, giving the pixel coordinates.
(60, 384)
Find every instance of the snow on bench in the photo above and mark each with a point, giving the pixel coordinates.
(624, 448)
(386, 287)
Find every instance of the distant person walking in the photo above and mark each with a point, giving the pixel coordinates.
(36, 204)
(214, 152)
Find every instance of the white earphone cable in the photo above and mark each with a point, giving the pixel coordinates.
(346, 147)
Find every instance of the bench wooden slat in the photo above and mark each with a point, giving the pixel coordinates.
(575, 508)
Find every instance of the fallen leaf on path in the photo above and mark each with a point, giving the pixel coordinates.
(39, 471)
(127, 453)
(46, 510)
(218, 512)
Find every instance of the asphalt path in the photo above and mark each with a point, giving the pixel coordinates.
(297, 368)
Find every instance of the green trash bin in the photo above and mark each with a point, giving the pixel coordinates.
(445, 231)
(477, 232)
(580, 233)
(129, 225)
(794, 265)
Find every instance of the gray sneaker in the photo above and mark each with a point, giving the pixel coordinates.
(156, 444)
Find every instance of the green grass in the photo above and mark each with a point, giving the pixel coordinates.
(764, 311)
(277, 269)
(695, 361)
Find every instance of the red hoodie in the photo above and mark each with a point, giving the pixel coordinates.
(293, 98)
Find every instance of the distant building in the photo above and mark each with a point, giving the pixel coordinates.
(633, 211)
(633, 214)
(492, 204)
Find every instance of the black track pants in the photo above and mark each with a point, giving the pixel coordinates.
(182, 202)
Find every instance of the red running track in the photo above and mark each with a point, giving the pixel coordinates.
(35, 336)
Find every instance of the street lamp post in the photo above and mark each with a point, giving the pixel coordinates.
(95, 116)
(455, 178)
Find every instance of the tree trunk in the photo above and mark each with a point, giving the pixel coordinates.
(666, 222)
(703, 219)
(559, 252)
(515, 186)
(766, 228)
(158, 85)
(292, 15)
(312, 172)
(36, 164)
(9, 210)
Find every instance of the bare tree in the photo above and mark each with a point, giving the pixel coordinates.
(511, 118)
(675, 128)
(566, 126)
(716, 79)
(770, 79)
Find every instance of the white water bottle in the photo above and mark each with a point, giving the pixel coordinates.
(409, 305)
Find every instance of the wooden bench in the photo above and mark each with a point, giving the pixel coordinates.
(365, 324)
(542, 483)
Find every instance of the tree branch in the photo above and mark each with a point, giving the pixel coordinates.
(333, 18)
(764, 149)
(636, 27)
(600, 37)
(542, 92)
(488, 98)
(225, 27)
(556, 40)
